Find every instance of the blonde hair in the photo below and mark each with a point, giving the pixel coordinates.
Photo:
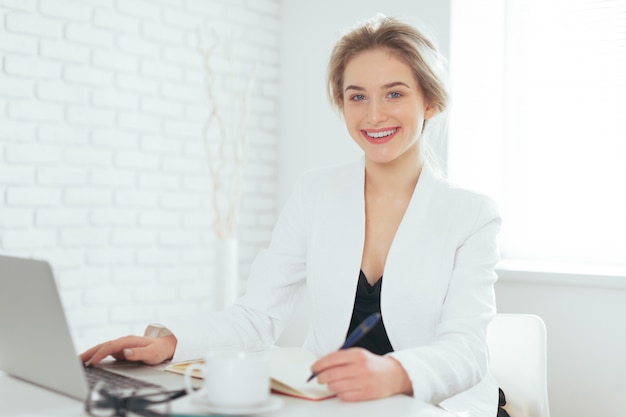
(406, 43)
(401, 39)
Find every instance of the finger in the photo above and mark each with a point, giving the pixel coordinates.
(349, 389)
(352, 385)
(338, 358)
(337, 372)
(86, 355)
(157, 350)
(95, 355)
(329, 361)
(149, 354)
(114, 348)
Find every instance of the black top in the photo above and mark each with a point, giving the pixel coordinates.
(367, 302)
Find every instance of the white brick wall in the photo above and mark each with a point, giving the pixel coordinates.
(102, 166)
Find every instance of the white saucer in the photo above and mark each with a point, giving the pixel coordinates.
(272, 404)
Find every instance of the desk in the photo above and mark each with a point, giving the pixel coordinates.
(21, 399)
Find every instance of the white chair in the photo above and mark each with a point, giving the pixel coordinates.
(517, 345)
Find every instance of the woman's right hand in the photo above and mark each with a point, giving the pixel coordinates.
(149, 350)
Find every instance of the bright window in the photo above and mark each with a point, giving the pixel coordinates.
(539, 122)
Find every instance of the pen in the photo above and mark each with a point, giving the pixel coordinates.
(367, 325)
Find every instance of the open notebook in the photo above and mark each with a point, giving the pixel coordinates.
(289, 370)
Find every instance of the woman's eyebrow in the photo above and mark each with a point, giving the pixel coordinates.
(395, 84)
(354, 87)
(384, 87)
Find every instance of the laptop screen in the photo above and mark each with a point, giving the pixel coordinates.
(36, 343)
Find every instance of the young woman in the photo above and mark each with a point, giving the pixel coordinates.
(345, 228)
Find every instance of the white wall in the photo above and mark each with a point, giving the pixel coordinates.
(311, 133)
(102, 168)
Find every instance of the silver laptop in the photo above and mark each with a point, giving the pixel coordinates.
(35, 340)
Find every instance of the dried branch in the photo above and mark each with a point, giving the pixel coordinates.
(225, 222)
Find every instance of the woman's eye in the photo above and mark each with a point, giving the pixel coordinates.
(395, 94)
(357, 97)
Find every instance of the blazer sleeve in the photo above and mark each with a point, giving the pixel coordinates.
(276, 286)
(457, 359)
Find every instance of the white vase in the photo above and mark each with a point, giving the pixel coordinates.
(226, 272)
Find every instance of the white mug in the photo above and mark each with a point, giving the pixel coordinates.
(232, 378)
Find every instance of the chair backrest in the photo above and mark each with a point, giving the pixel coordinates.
(517, 346)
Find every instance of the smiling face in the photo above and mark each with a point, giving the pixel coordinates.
(383, 106)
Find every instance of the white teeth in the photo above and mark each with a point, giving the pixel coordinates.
(378, 135)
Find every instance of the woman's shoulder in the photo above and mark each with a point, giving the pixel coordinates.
(461, 197)
(334, 174)
(454, 190)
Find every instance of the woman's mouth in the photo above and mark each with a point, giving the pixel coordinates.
(379, 136)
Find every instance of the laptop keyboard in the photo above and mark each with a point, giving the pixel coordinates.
(121, 382)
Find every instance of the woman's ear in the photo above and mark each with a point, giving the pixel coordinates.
(430, 111)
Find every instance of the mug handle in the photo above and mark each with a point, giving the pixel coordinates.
(188, 375)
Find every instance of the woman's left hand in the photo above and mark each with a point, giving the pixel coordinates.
(356, 374)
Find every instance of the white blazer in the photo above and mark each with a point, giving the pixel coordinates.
(438, 289)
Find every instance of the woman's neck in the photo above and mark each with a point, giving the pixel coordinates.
(396, 178)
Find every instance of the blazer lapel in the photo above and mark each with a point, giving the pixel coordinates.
(408, 277)
(336, 249)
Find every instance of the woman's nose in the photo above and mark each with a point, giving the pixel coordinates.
(376, 112)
